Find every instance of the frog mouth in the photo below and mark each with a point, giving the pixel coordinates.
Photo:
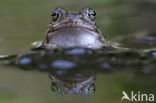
(74, 34)
(74, 25)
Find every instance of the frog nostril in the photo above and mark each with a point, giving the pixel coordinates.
(75, 17)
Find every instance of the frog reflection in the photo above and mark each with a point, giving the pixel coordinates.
(72, 83)
(67, 76)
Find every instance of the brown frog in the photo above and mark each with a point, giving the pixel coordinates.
(68, 30)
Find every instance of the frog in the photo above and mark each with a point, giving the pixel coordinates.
(68, 30)
(72, 83)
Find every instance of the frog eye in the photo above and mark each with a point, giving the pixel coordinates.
(56, 89)
(91, 15)
(91, 89)
(58, 13)
(55, 16)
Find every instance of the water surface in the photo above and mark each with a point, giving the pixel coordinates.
(24, 22)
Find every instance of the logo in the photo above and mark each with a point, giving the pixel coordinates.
(140, 97)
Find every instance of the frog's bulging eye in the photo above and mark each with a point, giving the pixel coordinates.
(58, 13)
(56, 89)
(92, 15)
(55, 16)
(91, 89)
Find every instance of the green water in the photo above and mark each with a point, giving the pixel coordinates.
(23, 22)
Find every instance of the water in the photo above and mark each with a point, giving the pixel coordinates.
(29, 77)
